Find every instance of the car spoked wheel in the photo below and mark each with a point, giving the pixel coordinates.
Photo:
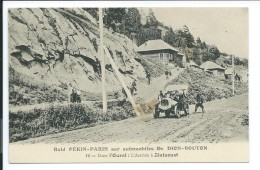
(156, 113)
(167, 113)
(187, 111)
(177, 112)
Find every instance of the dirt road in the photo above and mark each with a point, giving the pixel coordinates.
(222, 122)
(149, 92)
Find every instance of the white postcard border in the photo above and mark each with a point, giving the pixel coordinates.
(253, 85)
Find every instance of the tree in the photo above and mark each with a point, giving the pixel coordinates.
(113, 17)
(196, 56)
(93, 12)
(132, 21)
(146, 34)
(198, 42)
(245, 62)
(188, 36)
(237, 61)
(170, 37)
(151, 20)
(214, 50)
(203, 45)
(208, 56)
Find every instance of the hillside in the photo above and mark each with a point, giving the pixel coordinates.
(55, 47)
(211, 87)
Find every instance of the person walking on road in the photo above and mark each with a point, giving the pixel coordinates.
(199, 102)
(148, 76)
(70, 93)
(167, 74)
(74, 95)
(133, 88)
(78, 98)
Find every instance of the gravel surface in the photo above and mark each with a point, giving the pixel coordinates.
(222, 122)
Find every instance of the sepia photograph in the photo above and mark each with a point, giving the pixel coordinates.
(128, 84)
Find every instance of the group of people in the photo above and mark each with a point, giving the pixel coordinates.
(167, 74)
(74, 95)
(180, 97)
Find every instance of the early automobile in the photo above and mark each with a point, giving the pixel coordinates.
(172, 101)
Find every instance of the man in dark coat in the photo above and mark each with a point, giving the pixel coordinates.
(78, 98)
(148, 76)
(124, 93)
(74, 96)
(133, 87)
(167, 74)
(199, 102)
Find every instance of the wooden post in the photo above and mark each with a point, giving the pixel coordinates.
(102, 58)
(115, 68)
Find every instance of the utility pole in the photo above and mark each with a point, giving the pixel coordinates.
(233, 76)
(102, 58)
(129, 95)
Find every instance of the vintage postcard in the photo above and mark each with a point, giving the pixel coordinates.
(128, 85)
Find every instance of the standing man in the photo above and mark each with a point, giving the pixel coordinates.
(78, 96)
(148, 76)
(124, 93)
(167, 74)
(74, 95)
(133, 87)
(199, 102)
(160, 96)
(70, 93)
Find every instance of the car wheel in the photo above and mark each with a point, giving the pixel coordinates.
(156, 114)
(178, 115)
(178, 112)
(187, 111)
(167, 113)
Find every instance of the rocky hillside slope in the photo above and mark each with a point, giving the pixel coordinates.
(55, 47)
(211, 87)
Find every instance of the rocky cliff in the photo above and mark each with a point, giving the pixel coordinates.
(60, 46)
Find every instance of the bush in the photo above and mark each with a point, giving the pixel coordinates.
(57, 118)
(24, 90)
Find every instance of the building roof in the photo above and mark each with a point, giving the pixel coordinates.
(209, 65)
(208, 71)
(152, 45)
(180, 87)
(230, 70)
(192, 63)
(179, 53)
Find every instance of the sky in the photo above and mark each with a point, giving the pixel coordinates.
(227, 28)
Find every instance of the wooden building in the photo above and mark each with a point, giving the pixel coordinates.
(229, 72)
(216, 69)
(192, 64)
(160, 50)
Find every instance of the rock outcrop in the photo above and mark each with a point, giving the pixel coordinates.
(60, 46)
